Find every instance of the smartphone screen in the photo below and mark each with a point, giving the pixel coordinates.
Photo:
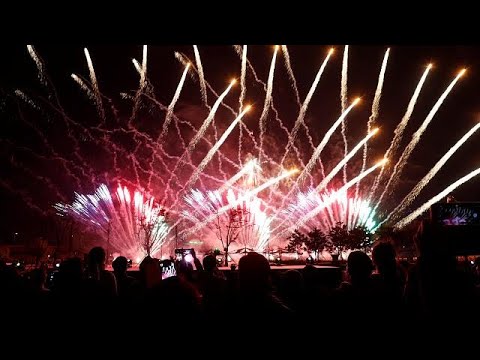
(457, 214)
(168, 269)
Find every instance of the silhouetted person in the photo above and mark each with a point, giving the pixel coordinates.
(150, 272)
(355, 298)
(388, 276)
(174, 305)
(214, 287)
(13, 292)
(257, 303)
(69, 293)
(127, 286)
(436, 287)
(292, 290)
(38, 281)
(101, 284)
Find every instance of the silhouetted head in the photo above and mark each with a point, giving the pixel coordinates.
(292, 280)
(97, 256)
(433, 247)
(120, 265)
(359, 266)
(254, 273)
(309, 273)
(150, 272)
(38, 278)
(179, 300)
(69, 274)
(384, 257)
(209, 263)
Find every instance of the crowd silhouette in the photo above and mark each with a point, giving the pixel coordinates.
(372, 293)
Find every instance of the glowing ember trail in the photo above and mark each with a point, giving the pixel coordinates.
(408, 219)
(339, 166)
(344, 102)
(268, 99)
(214, 149)
(93, 79)
(168, 117)
(398, 133)
(201, 76)
(304, 108)
(415, 139)
(433, 171)
(326, 138)
(375, 110)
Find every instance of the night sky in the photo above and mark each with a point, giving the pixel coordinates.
(115, 74)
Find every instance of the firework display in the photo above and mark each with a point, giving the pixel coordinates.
(135, 226)
(230, 168)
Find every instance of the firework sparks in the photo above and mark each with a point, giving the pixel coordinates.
(375, 111)
(304, 108)
(324, 142)
(183, 152)
(433, 171)
(408, 219)
(268, 98)
(134, 228)
(337, 168)
(398, 133)
(344, 103)
(416, 138)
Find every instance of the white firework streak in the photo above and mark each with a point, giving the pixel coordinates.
(248, 194)
(344, 101)
(306, 171)
(39, 63)
(213, 150)
(415, 139)
(137, 66)
(201, 76)
(375, 111)
(47, 83)
(168, 117)
(255, 234)
(166, 123)
(406, 220)
(208, 120)
(250, 167)
(288, 65)
(122, 220)
(143, 74)
(243, 78)
(93, 79)
(268, 99)
(184, 60)
(302, 221)
(243, 91)
(433, 171)
(141, 87)
(27, 99)
(324, 142)
(398, 133)
(84, 86)
(304, 108)
(342, 163)
(199, 135)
